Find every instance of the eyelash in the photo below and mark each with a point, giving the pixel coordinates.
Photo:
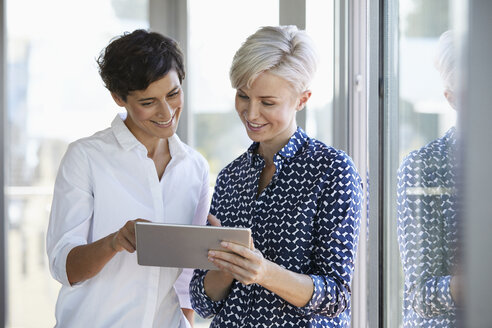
(246, 98)
(146, 104)
(174, 94)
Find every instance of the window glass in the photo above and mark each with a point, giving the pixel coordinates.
(218, 133)
(54, 96)
(319, 25)
(420, 227)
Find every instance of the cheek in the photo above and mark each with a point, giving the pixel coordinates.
(238, 105)
(138, 114)
(178, 102)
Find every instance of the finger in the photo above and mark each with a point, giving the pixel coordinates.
(213, 221)
(237, 272)
(238, 249)
(129, 235)
(122, 243)
(229, 257)
(251, 244)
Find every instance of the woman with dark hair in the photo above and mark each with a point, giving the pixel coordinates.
(136, 169)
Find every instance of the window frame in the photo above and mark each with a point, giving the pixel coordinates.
(3, 106)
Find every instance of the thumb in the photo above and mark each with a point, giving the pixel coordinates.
(213, 221)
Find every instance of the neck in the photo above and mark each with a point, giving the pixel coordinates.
(268, 149)
(157, 147)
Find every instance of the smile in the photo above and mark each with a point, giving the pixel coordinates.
(165, 123)
(255, 126)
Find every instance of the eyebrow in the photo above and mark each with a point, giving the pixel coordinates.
(261, 97)
(152, 98)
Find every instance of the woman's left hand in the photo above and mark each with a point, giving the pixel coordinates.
(246, 265)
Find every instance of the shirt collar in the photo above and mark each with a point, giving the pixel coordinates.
(127, 140)
(450, 136)
(295, 143)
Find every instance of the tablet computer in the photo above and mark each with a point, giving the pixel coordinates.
(183, 246)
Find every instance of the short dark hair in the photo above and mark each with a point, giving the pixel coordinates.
(134, 60)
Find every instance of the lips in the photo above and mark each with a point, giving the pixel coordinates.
(164, 124)
(255, 126)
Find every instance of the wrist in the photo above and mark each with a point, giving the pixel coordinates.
(111, 242)
(270, 275)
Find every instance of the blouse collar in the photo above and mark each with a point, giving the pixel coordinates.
(128, 141)
(295, 143)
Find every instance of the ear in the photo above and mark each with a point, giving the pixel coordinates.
(450, 98)
(117, 99)
(302, 100)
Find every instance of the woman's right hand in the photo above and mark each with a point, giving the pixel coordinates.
(124, 239)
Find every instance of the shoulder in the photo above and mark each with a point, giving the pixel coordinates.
(100, 140)
(434, 153)
(326, 157)
(234, 168)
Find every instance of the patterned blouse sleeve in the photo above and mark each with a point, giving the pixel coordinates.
(419, 237)
(336, 234)
(200, 302)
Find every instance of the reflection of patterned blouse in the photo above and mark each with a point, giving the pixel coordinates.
(306, 220)
(427, 233)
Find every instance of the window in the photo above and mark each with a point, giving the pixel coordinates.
(218, 133)
(420, 222)
(54, 96)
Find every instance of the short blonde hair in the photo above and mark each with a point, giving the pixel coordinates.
(284, 51)
(445, 60)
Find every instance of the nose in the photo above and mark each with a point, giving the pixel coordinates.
(165, 110)
(252, 111)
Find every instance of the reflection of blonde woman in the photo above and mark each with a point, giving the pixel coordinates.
(427, 225)
(137, 168)
(301, 199)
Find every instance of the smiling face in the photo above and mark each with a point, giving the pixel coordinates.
(268, 109)
(153, 113)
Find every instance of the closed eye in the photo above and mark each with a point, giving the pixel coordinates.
(146, 104)
(174, 94)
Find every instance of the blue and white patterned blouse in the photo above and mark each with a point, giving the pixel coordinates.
(427, 233)
(306, 220)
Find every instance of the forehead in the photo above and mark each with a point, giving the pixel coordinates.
(268, 84)
(164, 85)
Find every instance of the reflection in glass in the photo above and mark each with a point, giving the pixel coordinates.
(427, 221)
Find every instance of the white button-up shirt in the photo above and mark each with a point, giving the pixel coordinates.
(103, 181)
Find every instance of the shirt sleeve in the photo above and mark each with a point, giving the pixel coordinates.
(200, 302)
(182, 285)
(336, 234)
(420, 237)
(71, 211)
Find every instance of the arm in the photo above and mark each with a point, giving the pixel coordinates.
(72, 258)
(85, 261)
(336, 234)
(248, 267)
(420, 236)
